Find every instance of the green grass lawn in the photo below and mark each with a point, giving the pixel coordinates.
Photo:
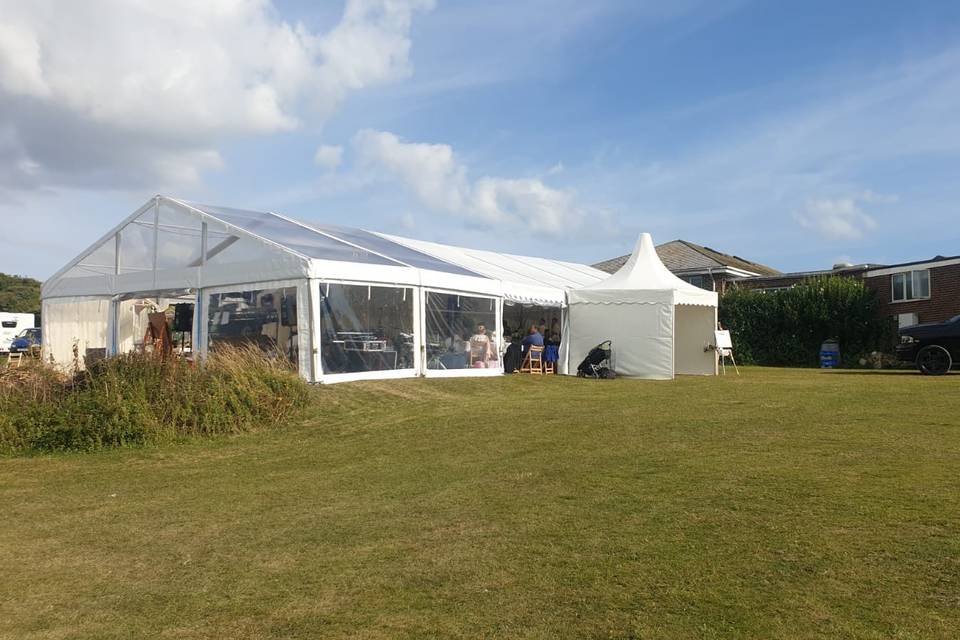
(780, 504)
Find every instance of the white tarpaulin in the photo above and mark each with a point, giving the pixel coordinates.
(74, 323)
(659, 325)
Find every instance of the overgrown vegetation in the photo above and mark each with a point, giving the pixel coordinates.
(138, 399)
(19, 294)
(787, 327)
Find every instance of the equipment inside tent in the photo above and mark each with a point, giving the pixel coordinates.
(339, 303)
(660, 325)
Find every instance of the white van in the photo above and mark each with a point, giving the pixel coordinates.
(11, 324)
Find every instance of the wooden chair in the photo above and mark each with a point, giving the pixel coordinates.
(14, 360)
(533, 362)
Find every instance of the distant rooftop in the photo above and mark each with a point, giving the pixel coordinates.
(793, 276)
(681, 256)
(852, 269)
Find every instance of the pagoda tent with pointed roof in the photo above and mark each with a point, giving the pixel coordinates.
(660, 325)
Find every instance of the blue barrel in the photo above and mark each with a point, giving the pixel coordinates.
(830, 354)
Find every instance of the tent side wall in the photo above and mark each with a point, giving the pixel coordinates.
(694, 326)
(641, 333)
(68, 322)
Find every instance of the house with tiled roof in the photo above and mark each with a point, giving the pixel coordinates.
(701, 266)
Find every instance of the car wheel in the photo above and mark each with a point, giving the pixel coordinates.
(934, 360)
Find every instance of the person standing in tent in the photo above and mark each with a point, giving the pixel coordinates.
(480, 344)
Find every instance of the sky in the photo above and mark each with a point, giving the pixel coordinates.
(794, 134)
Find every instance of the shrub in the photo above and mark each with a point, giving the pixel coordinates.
(138, 399)
(787, 327)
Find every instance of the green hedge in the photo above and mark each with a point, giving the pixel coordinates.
(786, 327)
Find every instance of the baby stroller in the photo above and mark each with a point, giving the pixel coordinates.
(597, 362)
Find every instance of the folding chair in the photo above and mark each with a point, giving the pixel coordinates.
(725, 349)
(533, 362)
(14, 360)
(550, 356)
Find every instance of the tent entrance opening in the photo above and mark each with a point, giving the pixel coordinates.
(156, 321)
(519, 321)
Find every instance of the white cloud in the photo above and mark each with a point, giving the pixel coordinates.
(429, 170)
(439, 181)
(838, 218)
(157, 86)
(328, 156)
(20, 62)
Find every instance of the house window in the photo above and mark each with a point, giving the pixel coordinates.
(911, 285)
(700, 281)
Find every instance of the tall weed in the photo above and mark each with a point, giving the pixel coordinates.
(137, 399)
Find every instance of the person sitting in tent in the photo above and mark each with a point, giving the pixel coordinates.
(513, 355)
(534, 339)
(480, 350)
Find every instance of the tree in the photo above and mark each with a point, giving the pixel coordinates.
(19, 294)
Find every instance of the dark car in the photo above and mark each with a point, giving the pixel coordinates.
(27, 339)
(933, 348)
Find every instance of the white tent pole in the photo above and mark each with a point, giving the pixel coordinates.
(716, 325)
(315, 337)
(419, 339)
(156, 237)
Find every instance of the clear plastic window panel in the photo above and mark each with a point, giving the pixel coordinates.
(137, 244)
(461, 332)
(365, 328)
(100, 261)
(227, 246)
(179, 238)
(393, 250)
(264, 318)
(295, 237)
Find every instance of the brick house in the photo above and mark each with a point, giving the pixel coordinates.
(701, 266)
(918, 292)
(787, 280)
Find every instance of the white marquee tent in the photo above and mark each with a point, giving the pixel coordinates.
(659, 325)
(341, 303)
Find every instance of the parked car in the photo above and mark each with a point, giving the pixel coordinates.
(12, 325)
(933, 348)
(27, 339)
